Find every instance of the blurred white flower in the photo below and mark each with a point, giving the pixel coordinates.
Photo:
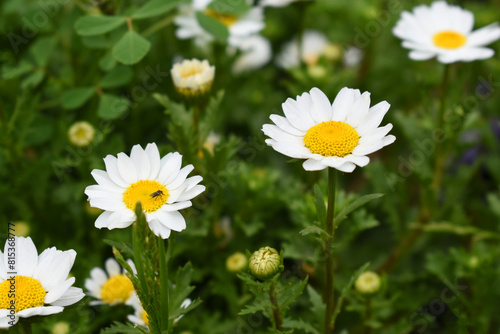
(368, 283)
(256, 52)
(276, 3)
(240, 27)
(140, 317)
(444, 31)
(81, 133)
(111, 286)
(160, 185)
(352, 56)
(41, 283)
(314, 44)
(337, 135)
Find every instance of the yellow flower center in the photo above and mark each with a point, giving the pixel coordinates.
(145, 318)
(151, 194)
(20, 293)
(117, 289)
(331, 138)
(449, 39)
(226, 19)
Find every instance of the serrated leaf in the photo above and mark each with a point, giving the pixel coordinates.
(232, 7)
(131, 48)
(300, 324)
(111, 106)
(313, 229)
(358, 202)
(75, 98)
(117, 77)
(119, 328)
(318, 305)
(155, 8)
(210, 114)
(180, 291)
(96, 25)
(288, 293)
(212, 26)
(319, 202)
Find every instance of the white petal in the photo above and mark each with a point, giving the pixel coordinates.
(5, 318)
(173, 220)
(102, 220)
(343, 102)
(55, 270)
(484, 36)
(373, 118)
(127, 168)
(58, 291)
(121, 219)
(26, 256)
(286, 126)
(41, 310)
(141, 161)
(114, 174)
(181, 177)
(321, 109)
(361, 161)
(299, 118)
(176, 206)
(466, 54)
(154, 159)
(112, 267)
(359, 109)
(103, 179)
(71, 296)
(170, 167)
(108, 204)
(159, 229)
(421, 55)
(312, 165)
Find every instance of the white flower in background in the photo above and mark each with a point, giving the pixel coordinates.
(256, 52)
(444, 31)
(240, 27)
(61, 327)
(159, 184)
(277, 3)
(111, 286)
(41, 283)
(352, 56)
(337, 135)
(140, 317)
(368, 283)
(314, 45)
(81, 133)
(193, 77)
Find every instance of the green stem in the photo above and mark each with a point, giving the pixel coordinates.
(330, 230)
(368, 315)
(439, 158)
(196, 126)
(276, 309)
(164, 297)
(157, 26)
(14, 329)
(25, 326)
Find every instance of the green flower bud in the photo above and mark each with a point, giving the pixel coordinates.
(368, 283)
(265, 263)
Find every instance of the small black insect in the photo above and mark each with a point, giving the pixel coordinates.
(156, 194)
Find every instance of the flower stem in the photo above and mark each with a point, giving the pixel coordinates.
(14, 329)
(368, 315)
(25, 326)
(276, 309)
(164, 296)
(330, 230)
(439, 158)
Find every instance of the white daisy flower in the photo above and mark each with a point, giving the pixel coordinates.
(193, 77)
(32, 284)
(314, 44)
(140, 317)
(159, 184)
(444, 31)
(240, 27)
(337, 135)
(112, 286)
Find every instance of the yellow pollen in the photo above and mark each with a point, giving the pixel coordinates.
(23, 292)
(117, 289)
(449, 39)
(145, 318)
(331, 138)
(226, 19)
(151, 194)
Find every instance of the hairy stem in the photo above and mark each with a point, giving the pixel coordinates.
(330, 230)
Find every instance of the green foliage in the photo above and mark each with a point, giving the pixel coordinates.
(131, 48)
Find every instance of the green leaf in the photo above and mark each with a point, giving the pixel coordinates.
(107, 62)
(288, 293)
(212, 26)
(358, 202)
(75, 98)
(10, 72)
(446, 227)
(119, 76)
(319, 202)
(111, 106)
(32, 80)
(121, 246)
(43, 49)
(300, 324)
(131, 48)
(318, 305)
(233, 7)
(96, 42)
(96, 25)
(180, 291)
(313, 229)
(155, 8)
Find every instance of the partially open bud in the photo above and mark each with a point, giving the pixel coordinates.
(193, 77)
(236, 262)
(265, 263)
(81, 133)
(368, 283)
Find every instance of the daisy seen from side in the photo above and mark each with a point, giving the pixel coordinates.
(110, 287)
(338, 135)
(41, 282)
(160, 184)
(444, 31)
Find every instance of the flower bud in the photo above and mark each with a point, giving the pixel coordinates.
(236, 262)
(193, 77)
(265, 263)
(368, 283)
(81, 133)
(61, 327)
